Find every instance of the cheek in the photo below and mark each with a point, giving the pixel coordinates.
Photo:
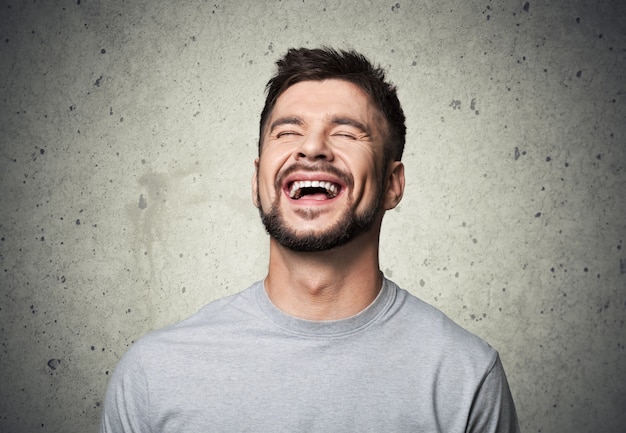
(366, 182)
(266, 190)
(272, 159)
(365, 167)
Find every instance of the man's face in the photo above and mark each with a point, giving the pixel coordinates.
(319, 175)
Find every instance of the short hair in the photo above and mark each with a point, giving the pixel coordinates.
(304, 64)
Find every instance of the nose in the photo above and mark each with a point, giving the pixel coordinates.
(314, 147)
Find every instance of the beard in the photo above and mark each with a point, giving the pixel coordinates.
(350, 225)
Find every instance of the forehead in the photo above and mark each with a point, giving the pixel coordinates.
(325, 99)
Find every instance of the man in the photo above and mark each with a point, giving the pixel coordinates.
(325, 343)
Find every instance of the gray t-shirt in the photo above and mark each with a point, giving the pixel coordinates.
(242, 365)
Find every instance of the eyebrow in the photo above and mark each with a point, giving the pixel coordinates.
(288, 120)
(337, 120)
(351, 122)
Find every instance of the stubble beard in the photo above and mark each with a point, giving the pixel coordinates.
(350, 225)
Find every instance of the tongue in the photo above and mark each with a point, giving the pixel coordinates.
(315, 196)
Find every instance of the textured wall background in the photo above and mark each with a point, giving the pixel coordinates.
(128, 135)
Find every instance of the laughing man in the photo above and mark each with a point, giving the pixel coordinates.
(325, 343)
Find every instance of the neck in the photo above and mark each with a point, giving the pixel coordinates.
(327, 285)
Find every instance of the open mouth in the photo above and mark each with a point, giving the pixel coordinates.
(314, 189)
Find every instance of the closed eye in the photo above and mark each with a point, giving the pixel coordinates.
(286, 133)
(345, 135)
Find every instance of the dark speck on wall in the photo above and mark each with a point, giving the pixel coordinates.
(526, 6)
(54, 363)
(473, 106)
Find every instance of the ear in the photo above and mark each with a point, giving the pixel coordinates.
(255, 183)
(394, 185)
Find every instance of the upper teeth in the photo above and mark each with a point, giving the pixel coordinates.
(297, 186)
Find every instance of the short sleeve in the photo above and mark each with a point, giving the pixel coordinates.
(126, 404)
(493, 410)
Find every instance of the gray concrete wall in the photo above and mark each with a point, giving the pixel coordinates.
(128, 135)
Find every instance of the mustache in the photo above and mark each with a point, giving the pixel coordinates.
(318, 167)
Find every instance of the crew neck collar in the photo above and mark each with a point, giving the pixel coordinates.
(327, 328)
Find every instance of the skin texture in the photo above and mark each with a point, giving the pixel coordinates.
(327, 131)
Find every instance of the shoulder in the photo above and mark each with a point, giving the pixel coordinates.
(168, 356)
(209, 325)
(433, 332)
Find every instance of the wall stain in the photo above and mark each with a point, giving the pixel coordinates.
(163, 194)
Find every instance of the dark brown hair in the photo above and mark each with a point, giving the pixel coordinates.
(303, 64)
